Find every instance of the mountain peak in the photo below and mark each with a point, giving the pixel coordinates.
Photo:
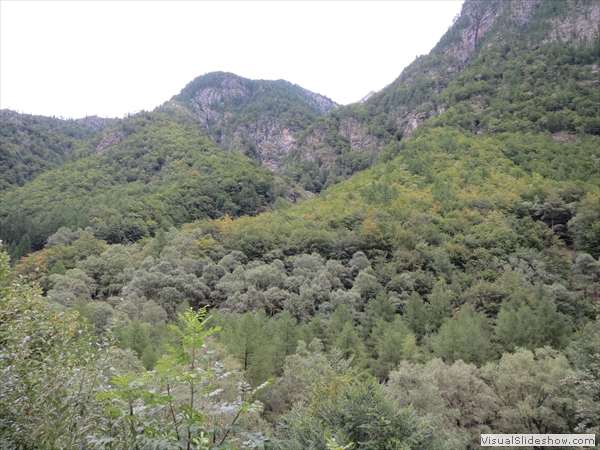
(258, 118)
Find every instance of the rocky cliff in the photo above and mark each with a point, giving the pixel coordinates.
(400, 108)
(258, 118)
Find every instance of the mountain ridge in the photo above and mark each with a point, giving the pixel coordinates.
(448, 261)
(468, 81)
(258, 118)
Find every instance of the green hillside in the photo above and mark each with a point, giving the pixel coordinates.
(443, 282)
(447, 261)
(127, 178)
(30, 145)
(504, 66)
(163, 173)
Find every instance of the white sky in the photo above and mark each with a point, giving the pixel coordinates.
(72, 59)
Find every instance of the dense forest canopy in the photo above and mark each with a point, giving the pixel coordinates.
(163, 173)
(417, 270)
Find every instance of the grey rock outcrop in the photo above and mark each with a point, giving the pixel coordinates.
(258, 118)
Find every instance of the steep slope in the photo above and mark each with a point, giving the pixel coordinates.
(30, 145)
(257, 118)
(129, 177)
(463, 263)
(162, 171)
(493, 44)
(500, 68)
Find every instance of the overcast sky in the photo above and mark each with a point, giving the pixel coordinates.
(72, 59)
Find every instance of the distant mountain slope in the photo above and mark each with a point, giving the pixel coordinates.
(156, 169)
(529, 68)
(493, 44)
(30, 145)
(257, 118)
(162, 171)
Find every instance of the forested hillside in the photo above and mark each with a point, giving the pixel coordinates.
(443, 282)
(162, 172)
(116, 175)
(504, 66)
(256, 118)
(31, 145)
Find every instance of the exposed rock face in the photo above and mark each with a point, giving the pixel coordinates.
(94, 124)
(581, 26)
(205, 98)
(272, 142)
(356, 134)
(367, 97)
(477, 27)
(481, 20)
(109, 139)
(319, 102)
(258, 118)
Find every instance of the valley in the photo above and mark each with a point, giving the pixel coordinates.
(408, 271)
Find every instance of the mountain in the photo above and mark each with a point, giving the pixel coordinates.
(503, 67)
(257, 118)
(451, 252)
(31, 145)
(536, 55)
(116, 175)
(145, 172)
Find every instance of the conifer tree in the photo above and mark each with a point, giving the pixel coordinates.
(439, 306)
(247, 342)
(414, 314)
(24, 247)
(466, 337)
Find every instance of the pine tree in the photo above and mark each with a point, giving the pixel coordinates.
(248, 344)
(316, 330)
(340, 317)
(466, 337)
(286, 338)
(59, 268)
(149, 357)
(24, 247)
(348, 342)
(516, 328)
(136, 336)
(439, 306)
(414, 314)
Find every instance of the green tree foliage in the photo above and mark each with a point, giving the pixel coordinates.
(31, 145)
(530, 393)
(247, 341)
(439, 306)
(585, 227)
(453, 398)
(414, 314)
(392, 343)
(584, 354)
(338, 407)
(57, 392)
(348, 342)
(587, 275)
(467, 337)
(136, 337)
(532, 325)
(471, 235)
(286, 338)
(120, 193)
(190, 412)
(48, 370)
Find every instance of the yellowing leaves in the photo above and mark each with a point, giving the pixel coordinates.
(206, 245)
